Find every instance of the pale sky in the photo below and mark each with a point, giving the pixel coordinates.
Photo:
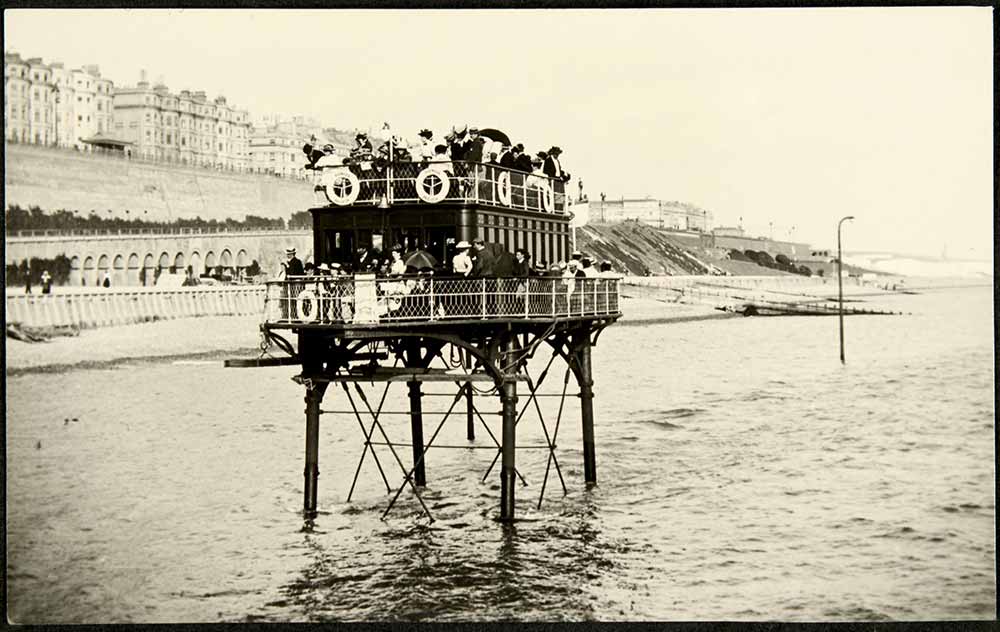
(790, 118)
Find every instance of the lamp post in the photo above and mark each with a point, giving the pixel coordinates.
(840, 286)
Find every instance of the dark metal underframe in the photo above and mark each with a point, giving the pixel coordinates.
(491, 351)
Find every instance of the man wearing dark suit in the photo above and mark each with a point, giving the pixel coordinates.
(507, 158)
(483, 265)
(293, 266)
(473, 148)
(522, 161)
(552, 167)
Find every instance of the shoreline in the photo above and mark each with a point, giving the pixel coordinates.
(212, 336)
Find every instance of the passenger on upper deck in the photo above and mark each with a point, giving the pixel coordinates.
(440, 162)
(329, 158)
(553, 168)
(424, 149)
(363, 149)
(292, 266)
(522, 162)
(507, 157)
(456, 144)
(473, 147)
(312, 152)
(537, 177)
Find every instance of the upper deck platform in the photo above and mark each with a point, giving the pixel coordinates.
(448, 183)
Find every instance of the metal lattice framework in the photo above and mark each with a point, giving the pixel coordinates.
(364, 299)
(375, 434)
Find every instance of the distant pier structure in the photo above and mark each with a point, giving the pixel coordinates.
(474, 333)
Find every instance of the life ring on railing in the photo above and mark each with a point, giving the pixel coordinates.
(548, 197)
(341, 186)
(428, 182)
(503, 187)
(300, 303)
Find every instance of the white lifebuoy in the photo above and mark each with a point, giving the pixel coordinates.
(300, 303)
(503, 187)
(427, 182)
(341, 186)
(548, 197)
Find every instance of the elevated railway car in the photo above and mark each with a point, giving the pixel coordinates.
(360, 328)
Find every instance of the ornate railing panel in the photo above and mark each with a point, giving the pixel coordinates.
(367, 300)
(437, 182)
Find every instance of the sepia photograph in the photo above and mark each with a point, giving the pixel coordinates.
(500, 315)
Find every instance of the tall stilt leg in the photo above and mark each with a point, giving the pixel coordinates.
(508, 395)
(586, 381)
(417, 431)
(470, 424)
(314, 397)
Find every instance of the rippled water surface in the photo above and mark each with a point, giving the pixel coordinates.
(743, 474)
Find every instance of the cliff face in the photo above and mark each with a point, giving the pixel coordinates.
(638, 249)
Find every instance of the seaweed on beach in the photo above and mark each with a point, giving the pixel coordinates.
(25, 333)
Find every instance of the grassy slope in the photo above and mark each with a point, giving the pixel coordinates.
(638, 249)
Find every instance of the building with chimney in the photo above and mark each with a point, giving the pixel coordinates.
(53, 104)
(186, 128)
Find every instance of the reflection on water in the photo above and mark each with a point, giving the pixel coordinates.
(743, 474)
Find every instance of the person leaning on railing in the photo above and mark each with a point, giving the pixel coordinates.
(291, 267)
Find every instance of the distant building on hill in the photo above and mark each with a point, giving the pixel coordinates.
(276, 144)
(662, 214)
(186, 128)
(51, 104)
(728, 231)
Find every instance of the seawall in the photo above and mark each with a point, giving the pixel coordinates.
(63, 179)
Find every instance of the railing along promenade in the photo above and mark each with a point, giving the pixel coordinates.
(437, 183)
(100, 307)
(33, 233)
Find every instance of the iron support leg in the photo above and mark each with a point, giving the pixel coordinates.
(314, 396)
(508, 396)
(586, 380)
(417, 431)
(470, 423)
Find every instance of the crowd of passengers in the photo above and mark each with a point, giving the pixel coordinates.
(476, 260)
(464, 145)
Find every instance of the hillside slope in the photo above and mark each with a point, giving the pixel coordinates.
(638, 249)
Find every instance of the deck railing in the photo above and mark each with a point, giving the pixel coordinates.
(367, 300)
(434, 183)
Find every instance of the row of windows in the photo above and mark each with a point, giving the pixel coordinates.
(536, 236)
(207, 110)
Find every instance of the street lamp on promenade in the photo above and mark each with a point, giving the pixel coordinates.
(840, 286)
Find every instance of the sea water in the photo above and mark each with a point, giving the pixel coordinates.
(743, 474)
